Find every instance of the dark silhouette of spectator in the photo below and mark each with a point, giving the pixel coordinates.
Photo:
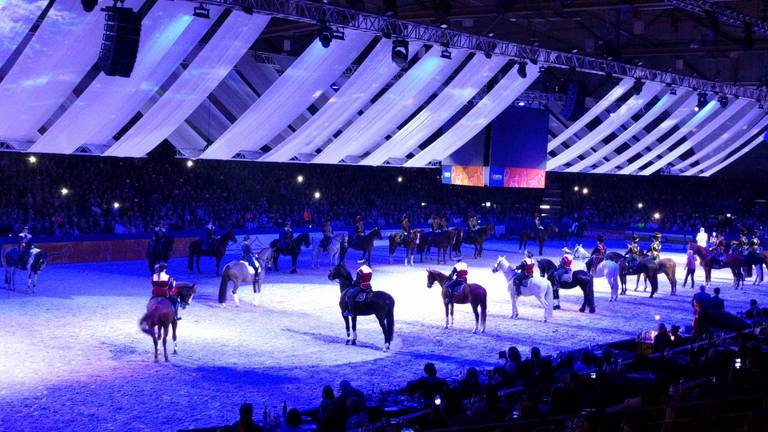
(292, 421)
(702, 296)
(754, 314)
(716, 305)
(428, 386)
(536, 371)
(327, 417)
(662, 341)
(347, 392)
(245, 423)
(469, 385)
(488, 409)
(357, 419)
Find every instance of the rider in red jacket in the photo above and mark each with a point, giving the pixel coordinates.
(163, 285)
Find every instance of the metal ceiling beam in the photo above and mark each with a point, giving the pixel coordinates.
(724, 14)
(301, 10)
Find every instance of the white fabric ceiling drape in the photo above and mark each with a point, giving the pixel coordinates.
(625, 112)
(199, 79)
(599, 107)
(662, 105)
(396, 105)
(496, 101)
(757, 140)
(375, 72)
(109, 102)
(682, 111)
(705, 132)
(306, 80)
(16, 18)
(463, 87)
(723, 153)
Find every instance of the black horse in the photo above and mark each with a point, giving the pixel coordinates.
(12, 263)
(159, 251)
(476, 238)
(540, 235)
(579, 278)
(364, 243)
(291, 250)
(217, 249)
(377, 303)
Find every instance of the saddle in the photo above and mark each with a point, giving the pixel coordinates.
(524, 283)
(251, 270)
(567, 277)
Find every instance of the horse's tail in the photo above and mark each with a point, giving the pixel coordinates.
(391, 321)
(223, 285)
(144, 324)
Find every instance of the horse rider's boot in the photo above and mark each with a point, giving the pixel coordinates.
(519, 289)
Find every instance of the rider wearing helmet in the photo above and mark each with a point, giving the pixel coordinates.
(286, 236)
(526, 272)
(362, 283)
(405, 223)
(472, 221)
(327, 234)
(25, 242)
(460, 271)
(633, 253)
(598, 253)
(655, 248)
(754, 242)
(564, 267)
(743, 244)
(163, 285)
(249, 257)
(436, 223)
(210, 235)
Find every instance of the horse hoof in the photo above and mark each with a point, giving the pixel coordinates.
(582, 309)
(293, 271)
(354, 342)
(347, 342)
(157, 360)
(556, 307)
(474, 331)
(175, 352)
(592, 310)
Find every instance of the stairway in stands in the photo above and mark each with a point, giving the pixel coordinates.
(551, 198)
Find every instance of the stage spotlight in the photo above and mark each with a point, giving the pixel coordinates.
(639, 205)
(488, 51)
(520, 103)
(390, 8)
(89, 5)
(399, 179)
(338, 34)
(702, 101)
(400, 52)
(32, 159)
(760, 106)
(673, 91)
(317, 195)
(201, 11)
(723, 99)
(64, 191)
(300, 178)
(585, 191)
(637, 88)
(190, 163)
(491, 34)
(575, 188)
(115, 205)
(522, 71)
(325, 35)
(446, 54)
(657, 215)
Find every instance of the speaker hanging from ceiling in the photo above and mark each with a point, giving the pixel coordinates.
(120, 43)
(574, 100)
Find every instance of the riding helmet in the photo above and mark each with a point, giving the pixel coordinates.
(657, 235)
(600, 238)
(635, 238)
(744, 231)
(161, 266)
(359, 218)
(528, 254)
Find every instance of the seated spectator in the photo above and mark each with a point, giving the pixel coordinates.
(346, 392)
(469, 385)
(677, 340)
(245, 423)
(292, 421)
(488, 409)
(327, 417)
(510, 373)
(754, 314)
(536, 371)
(662, 340)
(428, 386)
(357, 419)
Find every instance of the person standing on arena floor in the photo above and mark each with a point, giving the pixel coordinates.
(701, 238)
(690, 268)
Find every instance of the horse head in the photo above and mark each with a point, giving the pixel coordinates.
(39, 261)
(376, 233)
(342, 274)
(431, 277)
(304, 239)
(229, 237)
(501, 264)
(186, 292)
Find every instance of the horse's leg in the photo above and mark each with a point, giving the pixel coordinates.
(446, 315)
(155, 336)
(256, 290)
(197, 263)
(346, 324)
(513, 300)
(477, 318)
(165, 341)
(383, 325)
(354, 330)
(541, 246)
(218, 265)
(235, 286)
(174, 324)
(556, 298)
(452, 305)
(540, 298)
(294, 260)
(637, 282)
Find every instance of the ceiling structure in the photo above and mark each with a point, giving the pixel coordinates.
(249, 84)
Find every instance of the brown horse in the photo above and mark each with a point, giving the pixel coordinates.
(646, 267)
(540, 236)
(667, 267)
(409, 243)
(471, 293)
(476, 238)
(160, 316)
(239, 272)
(217, 249)
(442, 241)
(735, 262)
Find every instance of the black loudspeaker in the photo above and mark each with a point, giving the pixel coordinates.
(574, 100)
(120, 43)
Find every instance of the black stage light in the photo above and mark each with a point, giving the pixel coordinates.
(200, 11)
(400, 52)
(120, 42)
(325, 35)
(521, 70)
(637, 87)
(89, 5)
(703, 100)
(723, 99)
(390, 8)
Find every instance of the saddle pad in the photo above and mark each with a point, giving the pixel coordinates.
(566, 277)
(525, 283)
(360, 297)
(251, 270)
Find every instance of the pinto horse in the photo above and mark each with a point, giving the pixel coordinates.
(291, 250)
(336, 246)
(12, 262)
(409, 243)
(579, 278)
(377, 303)
(160, 316)
(540, 236)
(735, 262)
(239, 272)
(364, 243)
(536, 286)
(159, 251)
(476, 238)
(217, 250)
(471, 293)
(646, 267)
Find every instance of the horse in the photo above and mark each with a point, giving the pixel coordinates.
(217, 250)
(35, 264)
(536, 286)
(579, 253)
(160, 316)
(665, 266)
(409, 243)
(335, 246)
(610, 271)
(579, 278)
(540, 236)
(159, 251)
(735, 262)
(476, 238)
(291, 250)
(645, 267)
(471, 293)
(364, 243)
(441, 240)
(239, 272)
(377, 303)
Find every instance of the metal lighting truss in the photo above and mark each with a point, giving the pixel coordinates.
(310, 12)
(723, 13)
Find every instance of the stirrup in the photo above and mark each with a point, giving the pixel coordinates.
(178, 318)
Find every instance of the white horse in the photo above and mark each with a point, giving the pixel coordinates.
(537, 286)
(610, 271)
(580, 253)
(334, 248)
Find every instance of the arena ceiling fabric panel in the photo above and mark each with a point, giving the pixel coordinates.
(375, 72)
(16, 19)
(394, 107)
(109, 102)
(724, 152)
(757, 140)
(307, 78)
(661, 106)
(630, 107)
(198, 80)
(460, 91)
(496, 101)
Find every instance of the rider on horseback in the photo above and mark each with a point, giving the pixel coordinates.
(25, 243)
(537, 222)
(286, 236)
(163, 285)
(406, 225)
(598, 253)
(460, 271)
(362, 282)
(743, 244)
(754, 242)
(327, 234)
(250, 257)
(655, 250)
(564, 267)
(443, 223)
(436, 224)
(633, 253)
(472, 221)
(210, 235)
(526, 272)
